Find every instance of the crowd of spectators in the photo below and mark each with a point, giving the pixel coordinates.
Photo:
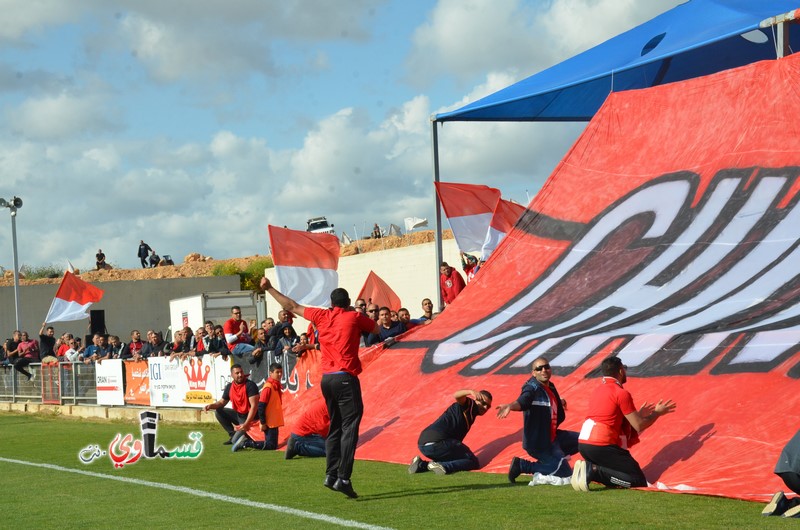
(235, 337)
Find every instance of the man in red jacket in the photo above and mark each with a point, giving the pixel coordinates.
(451, 283)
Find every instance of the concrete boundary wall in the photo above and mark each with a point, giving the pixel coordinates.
(411, 272)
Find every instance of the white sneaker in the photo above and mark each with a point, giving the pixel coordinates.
(437, 468)
(578, 479)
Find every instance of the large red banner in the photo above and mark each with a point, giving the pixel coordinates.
(669, 235)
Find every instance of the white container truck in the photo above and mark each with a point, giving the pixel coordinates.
(194, 310)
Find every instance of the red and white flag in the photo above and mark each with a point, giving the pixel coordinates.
(377, 291)
(469, 209)
(305, 264)
(73, 299)
(506, 214)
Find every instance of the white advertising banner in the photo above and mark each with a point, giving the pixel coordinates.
(109, 382)
(194, 382)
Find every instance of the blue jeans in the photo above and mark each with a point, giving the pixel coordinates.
(452, 454)
(240, 349)
(551, 461)
(270, 442)
(312, 445)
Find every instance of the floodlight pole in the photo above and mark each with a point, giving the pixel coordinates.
(12, 205)
(16, 264)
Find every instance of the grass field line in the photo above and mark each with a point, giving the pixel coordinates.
(207, 494)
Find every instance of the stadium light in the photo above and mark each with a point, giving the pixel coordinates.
(13, 205)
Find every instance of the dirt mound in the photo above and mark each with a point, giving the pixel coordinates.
(197, 265)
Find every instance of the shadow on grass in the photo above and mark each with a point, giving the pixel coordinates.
(435, 490)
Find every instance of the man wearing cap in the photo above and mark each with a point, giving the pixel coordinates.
(543, 410)
(339, 330)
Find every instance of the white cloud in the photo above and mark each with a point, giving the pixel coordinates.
(468, 38)
(63, 115)
(23, 16)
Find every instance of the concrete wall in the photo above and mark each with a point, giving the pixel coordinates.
(141, 304)
(411, 272)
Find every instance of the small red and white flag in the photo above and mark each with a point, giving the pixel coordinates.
(305, 264)
(73, 299)
(469, 209)
(377, 291)
(506, 214)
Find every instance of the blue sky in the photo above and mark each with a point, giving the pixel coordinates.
(193, 124)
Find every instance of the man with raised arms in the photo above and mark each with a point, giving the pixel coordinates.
(339, 330)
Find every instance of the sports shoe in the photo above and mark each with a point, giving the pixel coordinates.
(346, 487)
(229, 441)
(418, 465)
(238, 443)
(777, 505)
(437, 468)
(514, 470)
(791, 512)
(330, 480)
(290, 452)
(578, 479)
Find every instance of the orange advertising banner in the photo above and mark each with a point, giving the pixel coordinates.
(137, 383)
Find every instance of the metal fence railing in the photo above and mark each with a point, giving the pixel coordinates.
(63, 384)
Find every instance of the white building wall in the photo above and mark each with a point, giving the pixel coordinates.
(411, 272)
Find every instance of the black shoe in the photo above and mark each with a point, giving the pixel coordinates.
(514, 470)
(290, 452)
(228, 442)
(345, 487)
(330, 480)
(777, 505)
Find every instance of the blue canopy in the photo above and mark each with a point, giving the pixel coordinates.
(696, 38)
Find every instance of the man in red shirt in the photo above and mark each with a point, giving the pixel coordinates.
(612, 425)
(308, 435)
(243, 396)
(451, 283)
(237, 333)
(339, 330)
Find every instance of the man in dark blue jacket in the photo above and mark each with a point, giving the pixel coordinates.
(543, 411)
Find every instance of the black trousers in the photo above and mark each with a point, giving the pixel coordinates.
(228, 418)
(792, 481)
(612, 465)
(20, 363)
(342, 393)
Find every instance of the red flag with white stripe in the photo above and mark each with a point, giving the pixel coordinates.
(305, 264)
(377, 291)
(506, 214)
(469, 209)
(73, 299)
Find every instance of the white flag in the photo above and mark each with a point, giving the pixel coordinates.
(414, 222)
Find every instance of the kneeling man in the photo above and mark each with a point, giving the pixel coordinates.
(442, 441)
